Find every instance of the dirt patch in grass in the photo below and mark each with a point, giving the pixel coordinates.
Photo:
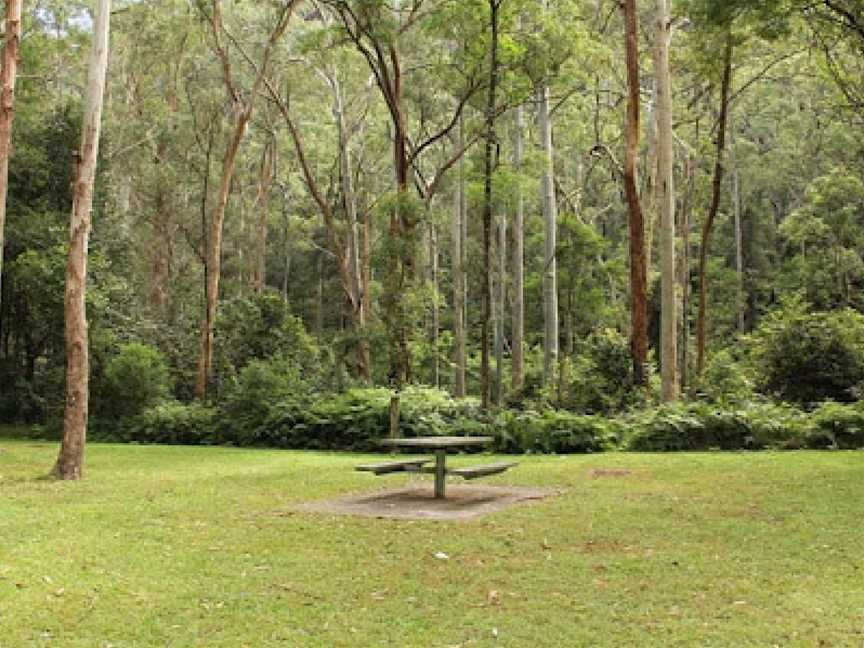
(597, 473)
(419, 503)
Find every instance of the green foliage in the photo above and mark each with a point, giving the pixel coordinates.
(553, 432)
(808, 357)
(136, 378)
(725, 379)
(702, 426)
(836, 425)
(169, 422)
(599, 378)
(261, 327)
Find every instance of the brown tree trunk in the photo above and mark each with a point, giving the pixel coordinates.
(8, 74)
(715, 204)
(458, 269)
(638, 267)
(71, 458)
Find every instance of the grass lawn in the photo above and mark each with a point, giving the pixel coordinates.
(175, 546)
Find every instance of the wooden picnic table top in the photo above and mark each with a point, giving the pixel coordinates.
(438, 442)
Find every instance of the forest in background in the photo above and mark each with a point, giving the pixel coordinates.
(300, 206)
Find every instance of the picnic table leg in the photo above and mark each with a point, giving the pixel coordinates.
(440, 458)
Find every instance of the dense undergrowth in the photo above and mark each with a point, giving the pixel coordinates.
(354, 420)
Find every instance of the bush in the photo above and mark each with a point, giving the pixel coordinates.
(833, 425)
(169, 422)
(806, 357)
(553, 432)
(703, 426)
(599, 378)
(726, 380)
(135, 379)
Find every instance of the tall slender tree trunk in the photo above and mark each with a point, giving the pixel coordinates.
(715, 204)
(11, 45)
(638, 266)
(517, 272)
(458, 268)
(435, 324)
(71, 458)
(666, 201)
(355, 289)
(262, 204)
(550, 233)
(500, 310)
(741, 303)
(488, 169)
(684, 278)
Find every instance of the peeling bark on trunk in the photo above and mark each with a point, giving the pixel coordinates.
(638, 269)
(715, 205)
(11, 46)
(71, 458)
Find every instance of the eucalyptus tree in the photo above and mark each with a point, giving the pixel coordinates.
(70, 459)
(8, 74)
(666, 202)
(638, 265)
(241, 105)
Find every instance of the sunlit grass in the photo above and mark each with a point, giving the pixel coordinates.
(175, 546)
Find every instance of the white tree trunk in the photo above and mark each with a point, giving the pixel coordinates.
(550, 220)
(739, 244)
(666, 203)
(71, 458)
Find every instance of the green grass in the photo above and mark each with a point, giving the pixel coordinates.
(174, 546)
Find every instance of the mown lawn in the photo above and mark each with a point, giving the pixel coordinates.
(176, 546)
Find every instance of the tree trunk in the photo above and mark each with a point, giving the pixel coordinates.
(739, 243)
(666, 201)
(458, 269)
(500, 311)
(435, 324)
(638, 269)
(550, 224)
(684, 279)
(488, 169)
(715, 204)
(71, 458)
(262, 204)
(8, 74)
(517, 343)
(352, 257)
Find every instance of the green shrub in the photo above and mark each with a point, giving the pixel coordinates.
(171, 422)
(726, 380)
(704, 426)
(135, 379)
(806, 358)
(553, 431)
(837, 426)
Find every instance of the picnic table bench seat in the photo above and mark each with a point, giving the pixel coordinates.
(401, 465)
(472, 472)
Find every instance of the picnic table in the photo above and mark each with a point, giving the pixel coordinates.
(439, 445)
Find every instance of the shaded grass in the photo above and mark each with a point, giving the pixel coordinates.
(176, 546)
